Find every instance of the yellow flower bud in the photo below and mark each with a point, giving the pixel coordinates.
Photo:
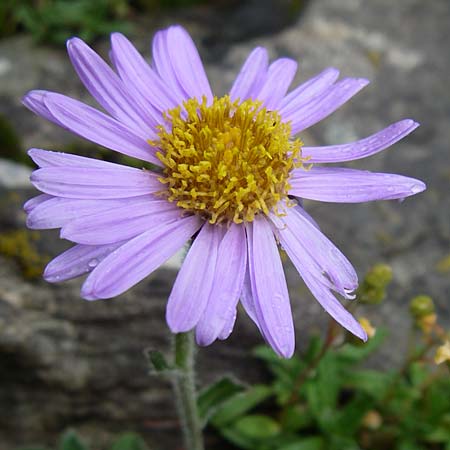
(367, 327)
(426, 323)
(372, 420)
(442, 353)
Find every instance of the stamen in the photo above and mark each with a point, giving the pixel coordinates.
(227, 161)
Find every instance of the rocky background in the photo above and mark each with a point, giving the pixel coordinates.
(66, 362)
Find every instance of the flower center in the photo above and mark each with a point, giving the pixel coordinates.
(227, 161)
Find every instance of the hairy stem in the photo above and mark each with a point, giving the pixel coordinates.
(185, 390)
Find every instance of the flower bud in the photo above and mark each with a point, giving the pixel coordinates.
(380, 275)
(421, 306)
(372, 420)
(442, 353)
(367, 327)
(373, 289)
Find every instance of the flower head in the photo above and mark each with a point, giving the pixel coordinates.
(231, 174)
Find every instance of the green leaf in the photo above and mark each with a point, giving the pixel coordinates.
(215, 395)
(342, 443)
(408, 445)
(372, 382)
(129, 441)
(71, 441)
(323, 389)
(239, 404)
(352, 353)
(314, 348)
(348, 419)
(285, 371)
(308, 443)
(257, 427)
(236, 438)
(157, 361)
(296, 417)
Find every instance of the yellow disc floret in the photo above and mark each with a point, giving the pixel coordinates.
(226, 161)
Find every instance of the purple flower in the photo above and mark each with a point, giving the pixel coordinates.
(230, 173)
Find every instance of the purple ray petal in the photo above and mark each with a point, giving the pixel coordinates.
(179, 64)
(339, 185)
(187, 64)
(35, 101)
(93, 183)
(58, 211)
(163, 65)
(34, 202)
(323, 105)
(192, 287)
(269, 289)
(279, 77)
(307, 216)
(329, 302)
(229, 325)
(246, 296)
(136, 259)
(296, 229)
(121, 223)
(226, 287)
(363, 148)
(109, 91)
(47, 158)
(307, 90)
(97, 127)
(310, 257)
(77, 261)
(139, 76)
(251, 76)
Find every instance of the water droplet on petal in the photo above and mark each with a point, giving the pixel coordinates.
(416, 188)
(93, 263)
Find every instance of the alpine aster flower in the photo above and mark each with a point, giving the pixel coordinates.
(231, 173)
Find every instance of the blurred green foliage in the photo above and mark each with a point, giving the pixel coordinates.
(327, 399)
(334, 404)
(54, 21)
(71, 441)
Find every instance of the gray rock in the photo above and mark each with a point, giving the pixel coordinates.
(13, 175)
(70, 361)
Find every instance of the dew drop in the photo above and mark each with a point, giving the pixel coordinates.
(416, 188)
(93, 263)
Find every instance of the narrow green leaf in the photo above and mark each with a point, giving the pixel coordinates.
(129, 441)
(308, 443)
(239, 404)
(373, 382)
(296, 417)
(348, 419)
(157, 362)
(356, 353)
(257, 427)
(323, 389)
(71, 441)
(236, 438)
(215, 395)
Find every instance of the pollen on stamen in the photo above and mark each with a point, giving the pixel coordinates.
(227, 161)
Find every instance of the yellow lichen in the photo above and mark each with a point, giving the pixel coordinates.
(20, 245)
(226, 161)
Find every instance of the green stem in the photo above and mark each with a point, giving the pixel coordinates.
(185, 391)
